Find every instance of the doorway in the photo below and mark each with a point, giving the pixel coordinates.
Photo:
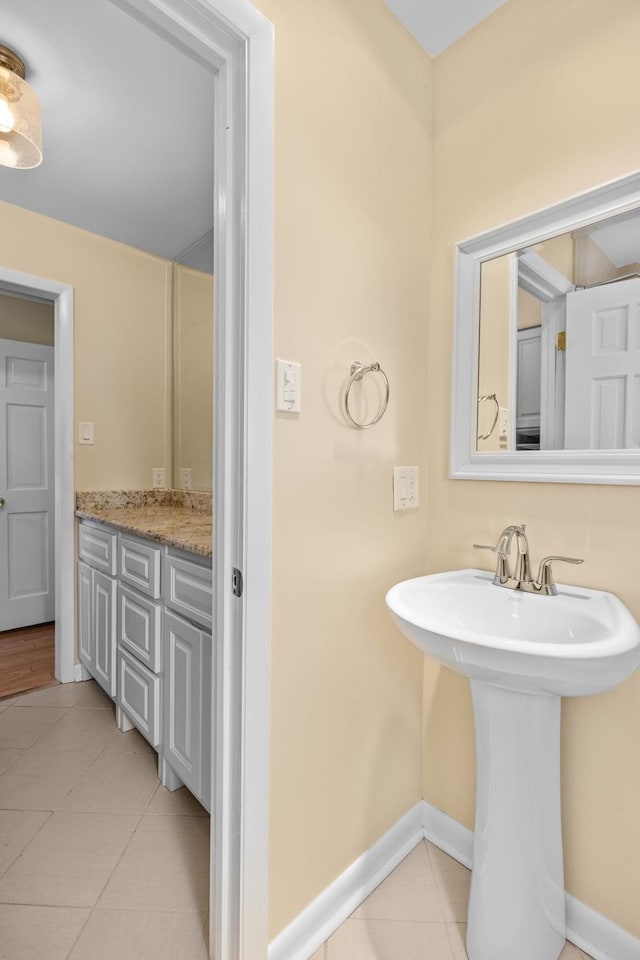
(27, 495)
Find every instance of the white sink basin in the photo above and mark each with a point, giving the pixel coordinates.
(522, 652)
(580, 642)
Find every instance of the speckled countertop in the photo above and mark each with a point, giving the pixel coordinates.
(169, 516)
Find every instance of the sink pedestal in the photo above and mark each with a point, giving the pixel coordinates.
(516, 905)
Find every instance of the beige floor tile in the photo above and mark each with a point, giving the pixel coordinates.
(38, 933)
(21, 727)
(9, 755)
(84, 730)
(457, 937)
(179, 803)
(571, 952)
(17, 829)
(129, 742)
(319, 954)
(69, 861)
(41, 781)
(165, 867)
(86, 694)
(115, 783)
(388, 940)
(409, 893)
(453, 881)
(139, 935)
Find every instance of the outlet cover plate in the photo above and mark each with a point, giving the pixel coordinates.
(406, 490)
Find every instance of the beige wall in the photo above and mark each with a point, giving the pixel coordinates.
(193, 375)
(351, 248)
(122, 342)
(26, 320)
(527, 112)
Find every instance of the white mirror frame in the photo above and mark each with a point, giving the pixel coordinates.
(555, 466)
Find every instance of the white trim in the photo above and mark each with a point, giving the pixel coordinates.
(563, 466)
(447, 834)
(590, 931)
(600, 938)
(61, 295)
(238, 42)
(81, 673)
(324, 915)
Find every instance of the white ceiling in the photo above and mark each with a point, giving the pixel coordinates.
(127, 125)
(128, 118)
(436, 24)
(619, 239)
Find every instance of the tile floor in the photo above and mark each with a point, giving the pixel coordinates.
(418, 912)
(97, 860)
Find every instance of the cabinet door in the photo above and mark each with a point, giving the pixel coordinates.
(182, 700)
(104, 628)
(86, 650)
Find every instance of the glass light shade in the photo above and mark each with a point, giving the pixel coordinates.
(21, 146)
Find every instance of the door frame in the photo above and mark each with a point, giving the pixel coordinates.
(61, 295)
(239, 42)
(550, 287)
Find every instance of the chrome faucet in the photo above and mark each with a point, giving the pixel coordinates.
(521, 579)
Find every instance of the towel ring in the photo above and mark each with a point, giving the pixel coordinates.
(490, 396)
(358, 372)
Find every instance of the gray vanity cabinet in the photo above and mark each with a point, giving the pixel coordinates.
(97, 644)
(187, 651)
(187, 704)
(144, 633)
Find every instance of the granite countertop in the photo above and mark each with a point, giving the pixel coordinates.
(173, 520)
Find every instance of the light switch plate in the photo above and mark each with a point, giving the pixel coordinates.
(406, 491)
(185, 478)
(85, 432)
(288, 386)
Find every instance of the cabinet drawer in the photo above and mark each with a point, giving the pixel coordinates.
(139, 696)
(139, 565)
(97, 547)
(188, 589)
(139, 627)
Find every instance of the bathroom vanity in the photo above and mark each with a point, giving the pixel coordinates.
(145, 627)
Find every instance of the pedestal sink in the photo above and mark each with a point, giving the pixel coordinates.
(522, 653)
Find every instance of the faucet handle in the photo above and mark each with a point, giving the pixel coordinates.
(502, 570)
(545, 573)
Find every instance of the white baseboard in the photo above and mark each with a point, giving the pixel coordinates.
(323, 916)
(80, 673)
(596, 935)
(590, 931)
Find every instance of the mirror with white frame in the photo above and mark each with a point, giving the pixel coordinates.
(546, 379)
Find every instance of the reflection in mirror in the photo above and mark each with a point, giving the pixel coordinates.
(192, 377)
(559, 342)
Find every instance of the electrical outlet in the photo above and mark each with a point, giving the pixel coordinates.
(406, 492)
(185, 478)
(159, 478)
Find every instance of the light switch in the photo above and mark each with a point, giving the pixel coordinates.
(85, 432)
(185, 478)
(288, 386)
(406, 492)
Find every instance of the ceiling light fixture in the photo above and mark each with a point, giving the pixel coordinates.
(20, 121)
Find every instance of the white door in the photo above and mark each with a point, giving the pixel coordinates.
(529, 380)
(26, 485)
(602, 409)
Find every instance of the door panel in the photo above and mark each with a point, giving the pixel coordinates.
(27, 585)
(603, 367)
(104, 631)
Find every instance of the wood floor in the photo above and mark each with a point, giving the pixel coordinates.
(27, 659)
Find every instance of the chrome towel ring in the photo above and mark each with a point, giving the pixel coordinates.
(490, 396)
(358, 371)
